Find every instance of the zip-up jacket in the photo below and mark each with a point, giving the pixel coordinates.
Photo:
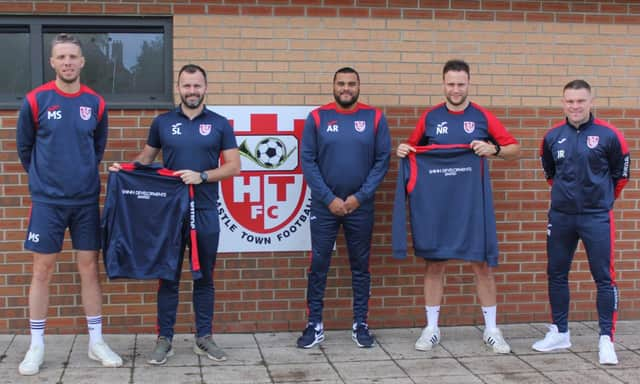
(587, 167)
(61, 138)
(450, 203)
(345, 152)
(144, 223)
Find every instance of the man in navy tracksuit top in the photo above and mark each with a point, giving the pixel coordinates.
(61, 137)
(459, 121)
(345, 154)
(192, 138)
(586, 162)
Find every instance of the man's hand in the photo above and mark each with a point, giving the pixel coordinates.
(351, 204)
(337, 207)
(188, 176)
(483, 148)
(403, 150)
(115, 167)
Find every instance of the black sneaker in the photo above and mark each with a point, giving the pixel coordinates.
(361, 336)
(311, 336)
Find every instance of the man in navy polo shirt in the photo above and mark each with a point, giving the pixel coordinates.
(192, 139)
(61, 137)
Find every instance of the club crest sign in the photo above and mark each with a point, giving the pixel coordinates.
(265, 208)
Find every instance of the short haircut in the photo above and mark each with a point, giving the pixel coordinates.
(577, 84)
(192, 68)
(456, 66)
(346, 70)
(65, 38)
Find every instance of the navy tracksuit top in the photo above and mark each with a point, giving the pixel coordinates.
(345, 152)
(144, 223)
(465, 231)
(450, 205)
(587, 166)
(61, 138)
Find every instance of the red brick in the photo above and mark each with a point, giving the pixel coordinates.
(418, 14)
(599, 19)
(322, 12)
(353, 12)
(465, 4)
(539, 17)
(86, 8)
(155, 9)
(288, 11)
(371, 3)
(223, 10)
(15, 7)
(190, 9)
(570, 18)
(480, 16)
(613, 8)
(448, 15)
(557, 6)
(51, 7)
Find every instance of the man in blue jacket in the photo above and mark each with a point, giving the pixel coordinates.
(61, 137)
(586, 162)
(345, 154)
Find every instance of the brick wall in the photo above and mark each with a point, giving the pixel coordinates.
(267, 53)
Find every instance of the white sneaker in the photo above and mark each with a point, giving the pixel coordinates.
(495, 340)
(607, 352)
(101, 352)
(553, 340)
(429, 337)
(32, 361)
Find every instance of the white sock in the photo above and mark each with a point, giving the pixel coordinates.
(489, 318)
(94, 324)
(37, 331)
(433, 313)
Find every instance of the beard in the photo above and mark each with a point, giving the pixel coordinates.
(346, 104)
(192, 104)
(463, 99)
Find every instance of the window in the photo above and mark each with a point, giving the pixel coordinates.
(128, 60)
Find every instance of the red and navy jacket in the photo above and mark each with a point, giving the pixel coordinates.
(450, 203)
(148, 217)
(587, 167)
(193, 144)
(61, 138)
(345, 152)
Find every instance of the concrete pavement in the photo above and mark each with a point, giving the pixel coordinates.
(273, 358)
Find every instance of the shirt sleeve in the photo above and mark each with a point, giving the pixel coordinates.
(25, 134)
(548, 163)
(381, 162)
(619, 162)
(228, 137)
(100, 136)
(309, 159)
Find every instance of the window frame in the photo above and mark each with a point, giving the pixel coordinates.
(37, 26)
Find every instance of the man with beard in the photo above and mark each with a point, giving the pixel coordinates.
(61, 136)
(345, 154)
(459, 121)
(192, 138)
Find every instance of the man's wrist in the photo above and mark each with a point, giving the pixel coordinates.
(498, 148)
(204, 176)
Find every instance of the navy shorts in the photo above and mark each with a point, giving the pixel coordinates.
(47, 224)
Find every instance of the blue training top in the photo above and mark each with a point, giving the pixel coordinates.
(61, 138)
